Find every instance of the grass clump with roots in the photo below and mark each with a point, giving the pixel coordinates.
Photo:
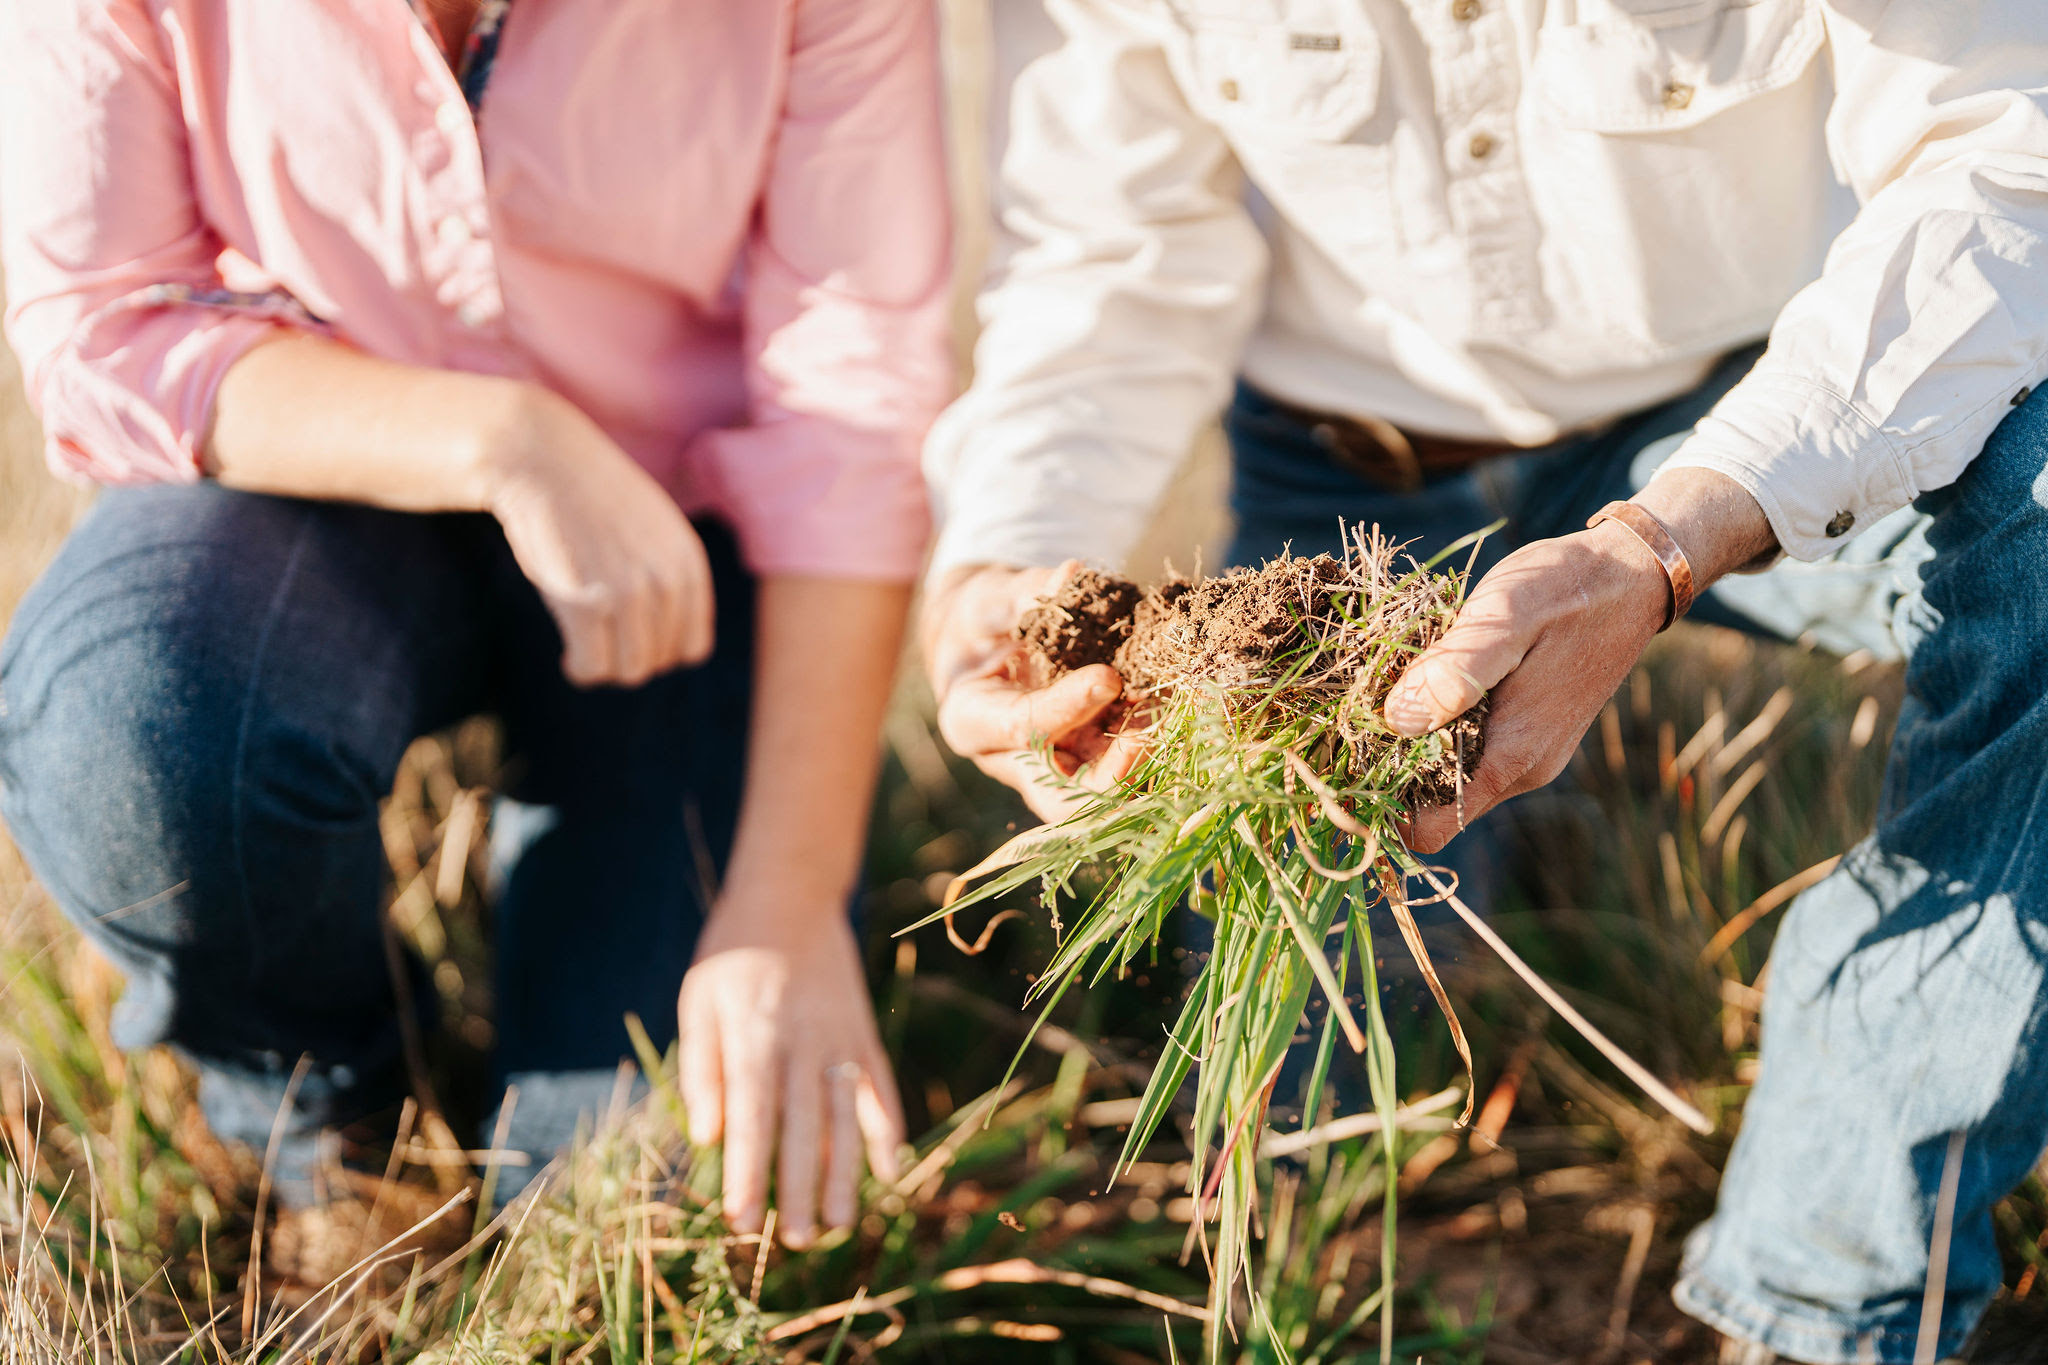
(1269, 801)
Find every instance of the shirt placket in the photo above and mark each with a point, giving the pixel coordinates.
(1472, 54)
(457, 249)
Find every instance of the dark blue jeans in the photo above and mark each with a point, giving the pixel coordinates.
(202, 704)
(1908, 992)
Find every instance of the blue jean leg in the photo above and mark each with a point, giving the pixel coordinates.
(195, 780)
(1908, 993)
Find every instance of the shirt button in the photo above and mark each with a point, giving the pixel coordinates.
(1677, 95)
(1481, 146)
(1465, 11)
(2019, 400)
(453, 232)
(1840, 524)
(451, 118)
(472, 314)
(1227, 89)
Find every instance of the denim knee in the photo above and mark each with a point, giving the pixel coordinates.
(194, 774)
(119, 739)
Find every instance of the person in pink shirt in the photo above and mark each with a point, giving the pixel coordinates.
(566, 360)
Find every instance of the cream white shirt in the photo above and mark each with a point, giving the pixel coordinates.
(1511, 219)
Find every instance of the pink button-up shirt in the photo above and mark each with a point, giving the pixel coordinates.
(717, 226)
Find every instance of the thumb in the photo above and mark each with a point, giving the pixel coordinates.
(990, 714)
(1481, 647)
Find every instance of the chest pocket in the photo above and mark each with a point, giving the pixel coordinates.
(1651, 66)
(1311, 73)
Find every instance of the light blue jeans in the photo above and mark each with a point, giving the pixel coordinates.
(1906, 1001)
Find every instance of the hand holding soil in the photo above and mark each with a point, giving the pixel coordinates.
(1009, 717)
(1545, 638)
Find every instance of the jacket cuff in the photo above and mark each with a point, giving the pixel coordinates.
(1819, 470)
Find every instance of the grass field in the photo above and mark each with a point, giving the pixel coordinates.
(1645, 886)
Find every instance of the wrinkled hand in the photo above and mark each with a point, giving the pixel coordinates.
(988, 713)
(780, 1058)
(1550, 633)
(615, 560)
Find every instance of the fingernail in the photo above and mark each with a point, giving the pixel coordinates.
(1406, 714)
(1101, 691)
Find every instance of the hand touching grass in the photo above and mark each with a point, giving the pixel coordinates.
(781, 1062)
(780, 1057)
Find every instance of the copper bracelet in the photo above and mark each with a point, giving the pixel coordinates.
(1644, 526)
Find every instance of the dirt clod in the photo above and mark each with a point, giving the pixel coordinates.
(1086, 622)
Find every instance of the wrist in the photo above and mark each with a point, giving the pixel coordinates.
(513, 438)
(797, 892)
(1714, 519)
(1640, 589)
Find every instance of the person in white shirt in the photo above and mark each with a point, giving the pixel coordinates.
(1469, 259)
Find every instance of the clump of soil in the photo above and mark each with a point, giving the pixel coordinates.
(1086, 622)
(1315, 628)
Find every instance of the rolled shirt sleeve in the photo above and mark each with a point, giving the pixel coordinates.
(1885, 376)
(847, 341)
(115, 304)
(1112, 335)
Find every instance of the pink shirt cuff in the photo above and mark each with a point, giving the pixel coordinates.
(129, 398)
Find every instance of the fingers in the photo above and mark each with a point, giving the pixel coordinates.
(1026, 773)
(665, 620)
(635, 620)
(800, 1153)
(751, 1093)
(1431, 828)
(989, 714)
(698, 604)
(588, 650)
(843, 1147)
(880, 1111)
(701, 1074)
(639, 630)
(1116, 761)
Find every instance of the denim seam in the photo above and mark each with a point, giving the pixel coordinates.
(285, 582)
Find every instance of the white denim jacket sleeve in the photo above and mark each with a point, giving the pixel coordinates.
(1132, 279)
(1885, 376)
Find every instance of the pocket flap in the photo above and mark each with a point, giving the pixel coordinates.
(1315, 76)
(1653, 66)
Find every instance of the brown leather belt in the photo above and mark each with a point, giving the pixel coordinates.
(1397, 460)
